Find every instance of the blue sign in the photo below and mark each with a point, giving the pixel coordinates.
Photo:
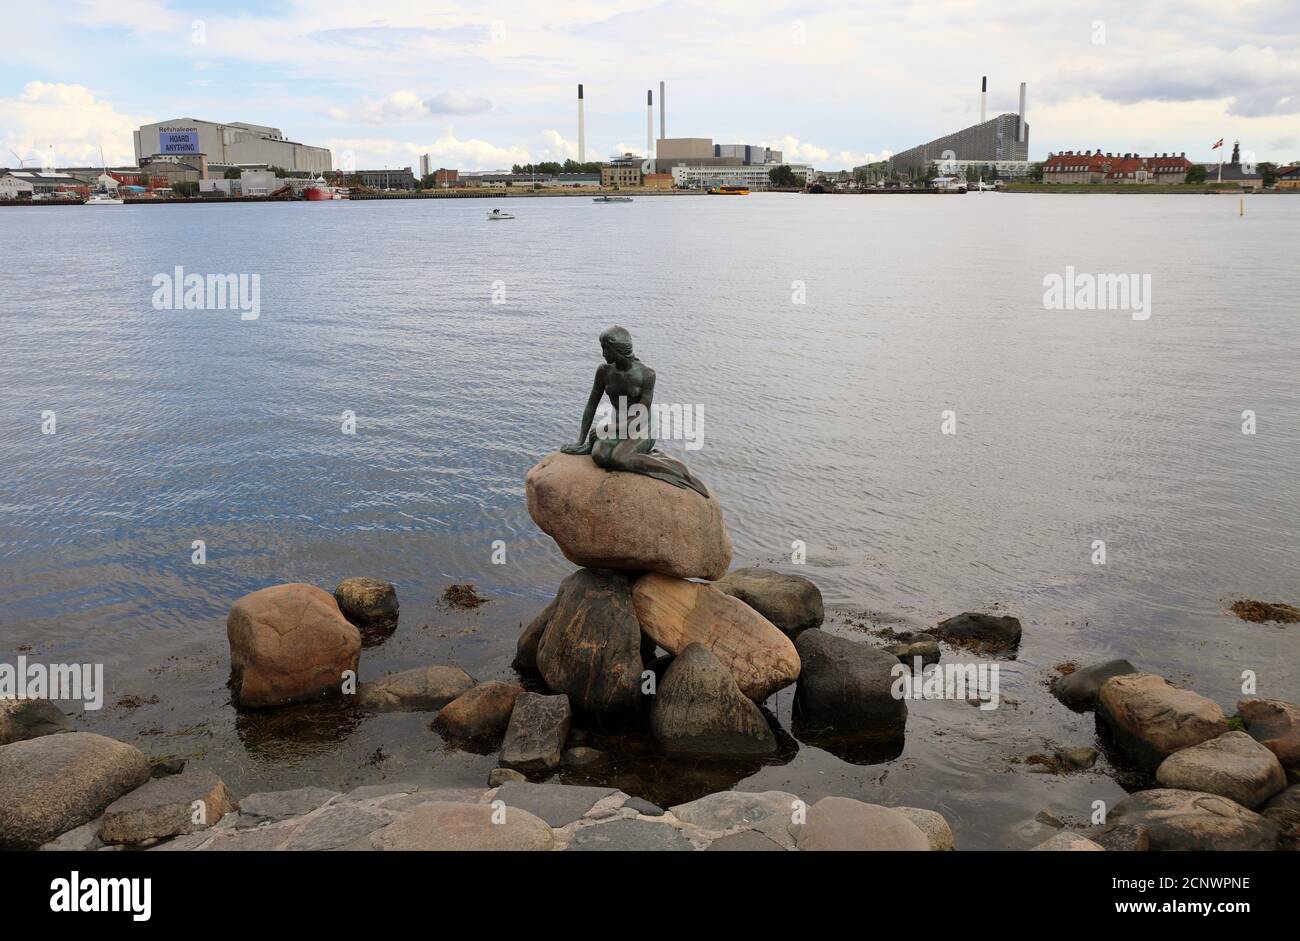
(178, 142)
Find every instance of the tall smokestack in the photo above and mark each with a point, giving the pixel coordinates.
(649, 123)
(582, 131)
(1022, 112)
(663, 131)
(984, 96)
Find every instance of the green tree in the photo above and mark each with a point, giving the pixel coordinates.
(1035, 174)
(185, 188)
(1268, 173)
(1196, 174)
(782, 177)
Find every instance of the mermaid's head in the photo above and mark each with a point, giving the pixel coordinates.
(616, 343)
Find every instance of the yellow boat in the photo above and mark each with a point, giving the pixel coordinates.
(729, 189)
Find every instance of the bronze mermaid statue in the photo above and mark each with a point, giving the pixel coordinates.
(618, 446)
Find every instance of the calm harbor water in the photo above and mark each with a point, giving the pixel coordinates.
(822, 424)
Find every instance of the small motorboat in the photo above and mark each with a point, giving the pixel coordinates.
(612, 199)
(498, 214)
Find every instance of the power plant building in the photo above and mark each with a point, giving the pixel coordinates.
(1002, 141)
(234, 144)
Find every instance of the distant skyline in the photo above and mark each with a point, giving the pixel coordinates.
(487, 85)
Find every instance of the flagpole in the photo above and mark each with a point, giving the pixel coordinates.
(1221, 140)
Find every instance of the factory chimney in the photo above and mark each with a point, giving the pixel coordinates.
(663, 131)
(649, 124)
(984, 96)
(582, 132)
(1022, 112)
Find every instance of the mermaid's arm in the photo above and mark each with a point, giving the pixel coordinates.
(584, 443)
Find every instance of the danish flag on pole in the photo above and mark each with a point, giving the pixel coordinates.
(1218, 145)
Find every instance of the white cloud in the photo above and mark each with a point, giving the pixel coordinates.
(448, 150)
(456, 102)
(403, 106)
(72, 120)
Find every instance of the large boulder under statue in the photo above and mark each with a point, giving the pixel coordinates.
(611, 519)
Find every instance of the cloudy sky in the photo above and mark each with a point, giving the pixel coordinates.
(486, 85)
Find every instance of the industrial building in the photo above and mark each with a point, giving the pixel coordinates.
(402, 179)
(235, 144)
(1002, 141)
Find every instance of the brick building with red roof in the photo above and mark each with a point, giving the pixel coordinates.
(1096, 167)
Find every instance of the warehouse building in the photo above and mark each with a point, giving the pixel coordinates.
(232, 144)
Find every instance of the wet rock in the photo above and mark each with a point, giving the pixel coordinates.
(1123, 838)
(1190, 820)
(21, 719)
(839, 823)
(1080, 758)
(461, 827)
(369, 792)
(726, 810)
(618, 520)
(581, 756)
(160, 766)
(933, 824)
(55, 783)
(1275, 725)
(557, 804)
(1068, 841)
(168, 806)
(677, 613)
(536, 733)
(272, 806)
(423, 689)
(629, 835)
(526, 647)
(1233, 765)
(791, 602)
(260, 840)
(924, 646)
(369, 603)
(746, 841)
(499, 776)
(481, 712)
(338, 826)
(1079, 689)
(1151, 719)
(289, 643)
(987, 629)
(699, 709)
(591, 648)
(845, 688)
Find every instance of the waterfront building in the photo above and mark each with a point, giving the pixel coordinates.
(621, 172)
(1288, 178)
(445, 177)
(21, 184)
(657, 181)
(1096, 167)
(400, 179)
(1003, 141)
(750, 154)
(175, 169)
(688, 176)
(1245, 176)
(426, 165)
(233, 143)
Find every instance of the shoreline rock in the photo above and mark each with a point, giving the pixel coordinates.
(289, 643)
(1151, 718)
(676, 613)
(791, 602)
(422, 689)
(369, 603)
(699, 709)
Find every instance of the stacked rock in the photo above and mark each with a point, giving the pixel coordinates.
(640, 543)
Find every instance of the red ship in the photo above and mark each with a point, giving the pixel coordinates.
(320, 190)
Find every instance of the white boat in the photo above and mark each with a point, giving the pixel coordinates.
(498, 214)
(612, 199)
(105, 191)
